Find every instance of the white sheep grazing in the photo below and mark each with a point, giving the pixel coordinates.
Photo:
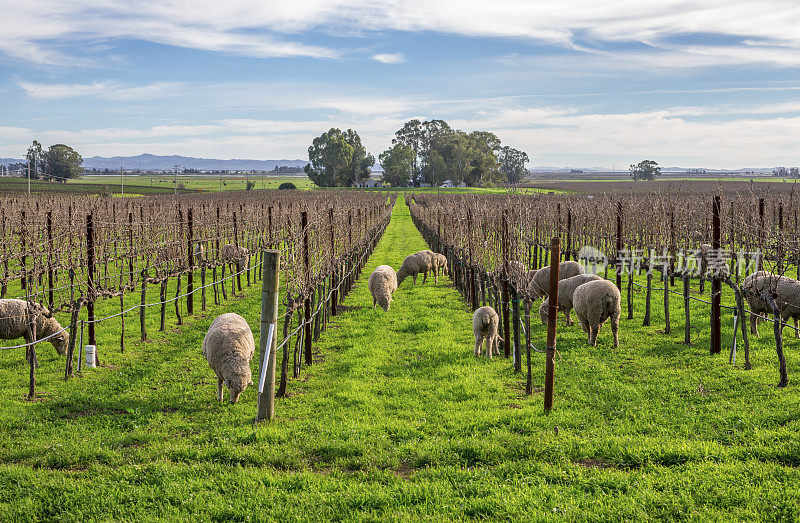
(14, 323)
(413, 264)
(566, 291)
(233, 254)
(382, 283)
(199, 252)
(228, 347)
(441, 263)
(540, 282)
(485, 323)
(753, 286)
(787, 300)
(595, 302)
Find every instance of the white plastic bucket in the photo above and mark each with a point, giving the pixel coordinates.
(90, 352)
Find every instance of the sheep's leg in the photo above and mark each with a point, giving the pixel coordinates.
(753, 325)
(796, 332)
(490, 341)
(415, 278)
(219, 389)
(374, 301)
(425, 277)
(584, 324)
(594, 330)
(568, 314)
(478, 343)
(615, 331)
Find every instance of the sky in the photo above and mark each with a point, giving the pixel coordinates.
(578, 83)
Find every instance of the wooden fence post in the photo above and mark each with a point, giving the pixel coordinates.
(270, 269)
(142, 326)
(550, 362)
(619, 245)
(307, 306)
(190, 256)
(50, 259)
(517, 323)
(716, 284)
(505, 296)
(90, 281)
(31, 352)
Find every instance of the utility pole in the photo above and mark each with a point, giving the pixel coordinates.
(29, 178)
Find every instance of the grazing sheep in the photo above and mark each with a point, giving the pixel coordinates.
(14, 324)
(441, 263)
(594, 303)
(566, 290)
(485, 322)
(753, 286)
(228, 347)
(788, 297)
(540, 283)
(413, 264)
(199, 252)
(382, 283)
(235, 255)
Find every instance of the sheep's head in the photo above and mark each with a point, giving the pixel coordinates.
(236, 386)
(385, 302)
(60, 342)
(543, 310)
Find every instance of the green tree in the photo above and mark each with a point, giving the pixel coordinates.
(62, 162)
(483, 165)
(397, 164)
(36, 160)
(411, 134)
(454, 150)
(512, 163)
(338, 159)
(645, 170)
(435, 170)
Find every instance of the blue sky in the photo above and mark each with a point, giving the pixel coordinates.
(578, 83)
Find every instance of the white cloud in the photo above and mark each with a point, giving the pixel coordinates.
(706, 135)
(386, 58)
(766, 30)
(107, 90)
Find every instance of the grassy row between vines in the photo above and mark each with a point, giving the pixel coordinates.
(397, 420)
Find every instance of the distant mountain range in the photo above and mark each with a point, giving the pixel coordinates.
(151, 162)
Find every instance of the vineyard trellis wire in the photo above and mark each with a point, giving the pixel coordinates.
(67, 252)
(729, 231)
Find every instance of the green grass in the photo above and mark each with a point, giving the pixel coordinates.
(205, 183)
(397, 420)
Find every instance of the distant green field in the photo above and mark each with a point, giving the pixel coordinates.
(209, 183)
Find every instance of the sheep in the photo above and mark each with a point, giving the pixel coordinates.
(228, 347)
(441, 263)
(414, 264)
(566, 290)
(540, 282)
(382, 283)
(754, 285)
(14, 323)
(787, 291)
(234, 254)
(594, 303)
(199, 252)
(485, 322)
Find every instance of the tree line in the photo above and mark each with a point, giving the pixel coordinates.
(423, 152)
(58, 162)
